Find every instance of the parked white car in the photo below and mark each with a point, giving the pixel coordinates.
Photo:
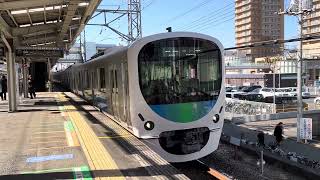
(265, 92)
(284, 92)
(305, 93)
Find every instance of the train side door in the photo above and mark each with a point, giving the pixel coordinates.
(125, 86)
(115, 91)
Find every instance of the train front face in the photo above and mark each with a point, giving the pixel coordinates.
(180, 79)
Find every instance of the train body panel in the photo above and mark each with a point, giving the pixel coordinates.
(165, 88)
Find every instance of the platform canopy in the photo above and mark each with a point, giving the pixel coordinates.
(39, 25)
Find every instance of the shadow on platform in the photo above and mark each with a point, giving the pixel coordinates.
(140, 171)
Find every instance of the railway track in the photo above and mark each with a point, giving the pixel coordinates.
(200, 170)
(216, 174)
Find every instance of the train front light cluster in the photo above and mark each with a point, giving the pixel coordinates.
(216, 118)
(149, 125)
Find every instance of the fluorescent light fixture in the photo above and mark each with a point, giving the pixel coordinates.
(49, 8)
(36, 10)
(83, 4)
(39, 23)
(76, 18)
(25, 25)
(50, 22)
(65, 40)
(19, 12)
(52, 42)
(59, 7)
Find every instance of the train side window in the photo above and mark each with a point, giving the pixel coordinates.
(86, 79)
(93, 79)
(116, 78)
(102, 78)
(111, 79)
(79, 81)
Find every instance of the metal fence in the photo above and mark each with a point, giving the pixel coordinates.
(241, 107)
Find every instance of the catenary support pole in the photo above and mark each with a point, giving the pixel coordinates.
(11, 71)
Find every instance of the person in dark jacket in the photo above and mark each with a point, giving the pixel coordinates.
(278, 131)
(4, 88)
(31, 89)
(260, 137)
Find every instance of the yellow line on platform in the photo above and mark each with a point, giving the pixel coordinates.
(98, 157)
(110, 137)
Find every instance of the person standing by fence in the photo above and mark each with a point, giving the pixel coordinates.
(278, 131)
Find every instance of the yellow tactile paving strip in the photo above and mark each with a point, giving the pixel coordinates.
(97, 156)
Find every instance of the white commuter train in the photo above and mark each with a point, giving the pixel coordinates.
(166, 88)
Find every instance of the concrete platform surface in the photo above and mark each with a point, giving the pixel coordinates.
(59, 136)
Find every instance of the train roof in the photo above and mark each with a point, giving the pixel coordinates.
(138, 44)
(108, 52)
(141, 42)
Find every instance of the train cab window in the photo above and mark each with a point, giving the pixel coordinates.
(180, 70)
(102, 80)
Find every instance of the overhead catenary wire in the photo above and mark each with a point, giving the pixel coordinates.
(217, 24)
(190, 10)
(206, 18)
(272, 42)
(221, 17)
(148, 4)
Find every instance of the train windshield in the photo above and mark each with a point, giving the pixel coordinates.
(180, 71)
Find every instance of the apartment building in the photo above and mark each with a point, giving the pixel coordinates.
(311, 26)
(311, 48)
(255, 21)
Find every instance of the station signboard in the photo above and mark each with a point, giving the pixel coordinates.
(39, 52)
(306, 128)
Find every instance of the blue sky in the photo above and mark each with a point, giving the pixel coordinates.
(212, 17)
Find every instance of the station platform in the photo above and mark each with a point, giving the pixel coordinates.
(59, 136)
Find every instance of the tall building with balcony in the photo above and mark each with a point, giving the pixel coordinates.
(257, 21)
(311, 26)
(311, 48)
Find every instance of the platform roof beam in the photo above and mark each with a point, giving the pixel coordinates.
(73, 6)
(24, 4)
(5, 28)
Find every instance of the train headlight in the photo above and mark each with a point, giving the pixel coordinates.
(149, 125)
(216, 118)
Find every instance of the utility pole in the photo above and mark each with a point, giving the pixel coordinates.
(300, 13)
(299, 75)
